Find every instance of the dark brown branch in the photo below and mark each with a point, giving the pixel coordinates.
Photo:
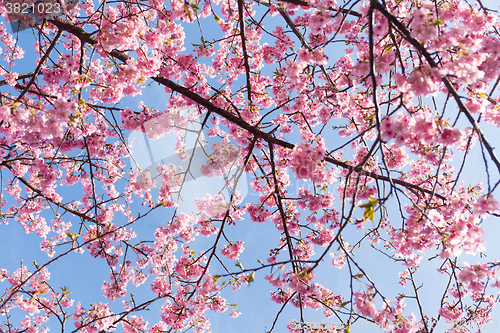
(85, 37)
(40, 64)
(244, 49)
(32, 187)
(420, 48)
(20, 77)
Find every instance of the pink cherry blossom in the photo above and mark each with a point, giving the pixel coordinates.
(233, 250)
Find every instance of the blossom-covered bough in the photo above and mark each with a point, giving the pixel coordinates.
(377, 104)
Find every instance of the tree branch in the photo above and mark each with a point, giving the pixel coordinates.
(86, 37)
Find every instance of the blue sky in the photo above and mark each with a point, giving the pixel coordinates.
(84, 275)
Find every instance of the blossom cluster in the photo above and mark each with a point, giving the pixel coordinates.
(224, 156)
(308, 163)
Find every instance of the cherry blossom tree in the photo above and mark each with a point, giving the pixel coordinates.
(377, 104)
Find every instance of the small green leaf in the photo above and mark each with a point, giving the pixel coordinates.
(251, 277)
(388, 48)
(437, 22)
(369, 208)
(238, 264)
(217, 18)
(369, 118)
